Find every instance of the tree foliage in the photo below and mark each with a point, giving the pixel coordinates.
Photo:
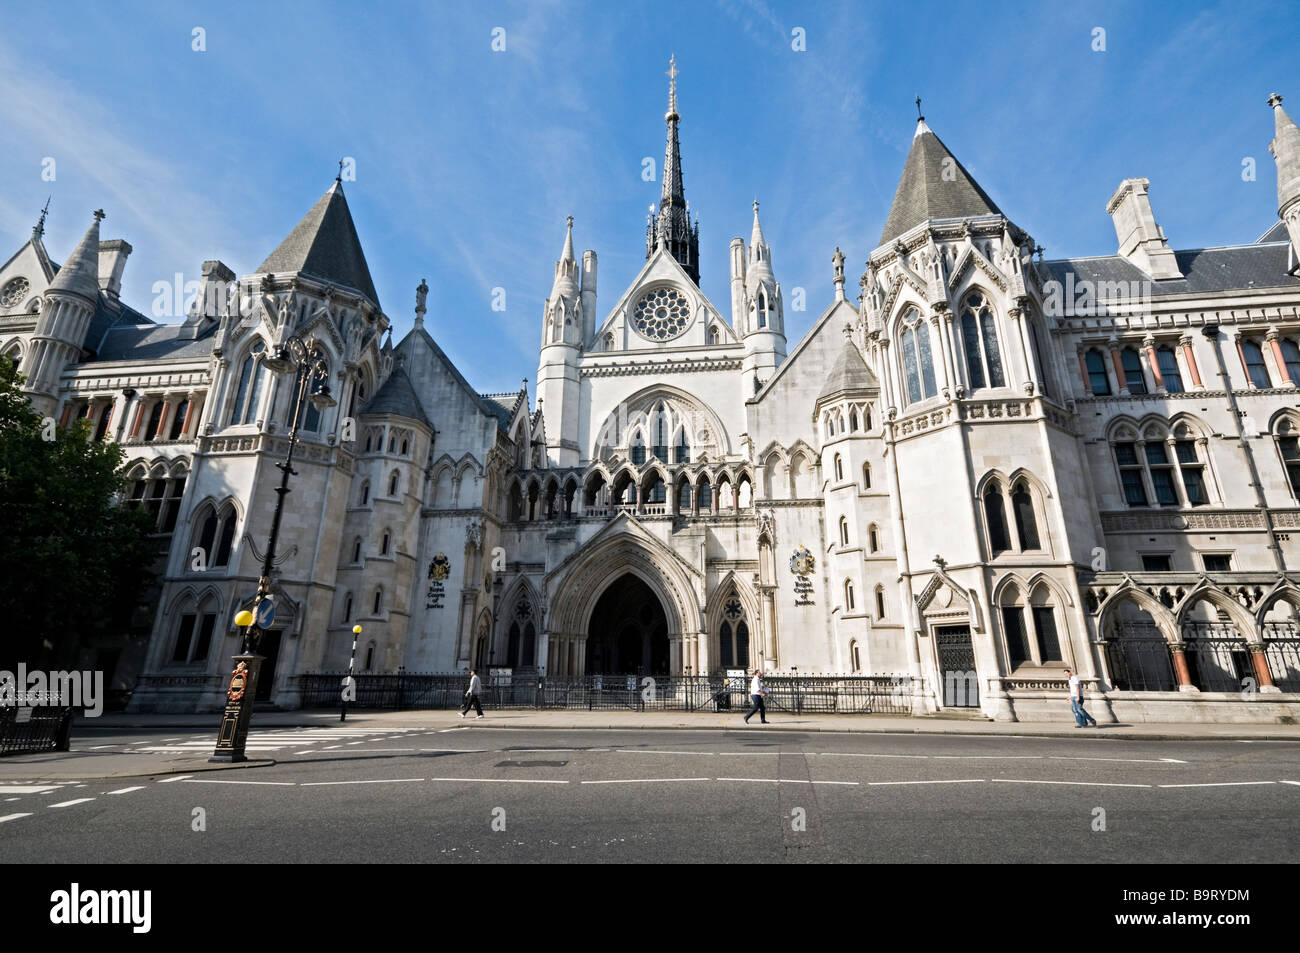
(73, 561)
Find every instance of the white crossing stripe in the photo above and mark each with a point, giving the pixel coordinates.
(288, 784)
(27, 788)
(80, 800)
(1089, 784)
(317, 784)
(14, 817)
(1215, 784)
(953, 781)
(138, 787)
(179, 777)
(647, 780)
(507, 780)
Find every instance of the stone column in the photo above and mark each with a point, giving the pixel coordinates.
(139, 417)
(1120, 380)
(1178, 653)
(1150, 345)
(1190, 357)
(164, 418)
(189, 414)
(936, 324)
(1262, 674)
(1281, 378)
(1083, 369)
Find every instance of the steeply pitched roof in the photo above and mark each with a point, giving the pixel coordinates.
(934, 185)
(397, 397)
(1205, 270)
(1277, 233)
(80, 273)
(850, 373)
(325, 245)
(148, 342)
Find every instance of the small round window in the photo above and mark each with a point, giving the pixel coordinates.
(662, 314)
(13, 293)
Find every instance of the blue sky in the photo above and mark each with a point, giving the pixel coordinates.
(469, 159)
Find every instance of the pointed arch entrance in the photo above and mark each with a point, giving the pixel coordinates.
(628, 632)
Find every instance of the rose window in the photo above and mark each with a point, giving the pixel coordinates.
(13, 293)
(662, 314)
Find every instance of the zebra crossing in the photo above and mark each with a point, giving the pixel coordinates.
(318, 738)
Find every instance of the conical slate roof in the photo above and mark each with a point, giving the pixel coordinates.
(934, 185)
(850, 373)
(397, 397)
(80, 273)
(324, 245)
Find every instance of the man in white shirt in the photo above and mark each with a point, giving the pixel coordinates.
(756, 692)
(471, 696)
(1081, 718)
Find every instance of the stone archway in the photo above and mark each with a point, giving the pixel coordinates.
(628, 632)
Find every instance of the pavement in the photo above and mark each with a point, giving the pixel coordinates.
(452, 791)
(115, 746)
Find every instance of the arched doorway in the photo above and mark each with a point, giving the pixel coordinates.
(628, 633)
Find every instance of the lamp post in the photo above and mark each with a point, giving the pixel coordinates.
(350, 684)
(309, 358)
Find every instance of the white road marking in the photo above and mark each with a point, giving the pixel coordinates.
(288, 784)
(317, 784)
(953, 781)
(98, 747)
(1061, 757)
(985, 757)
(853, 754)
(846, 783)
(138, 787)
(80, 800)
(459, 750)
(14, 817)
(458, 728)
(502, 780)
(653, 751)
(534, 750)
(1215, 784)
(644, 780)
(179, 777)
(19, 799)
(27, 788)
(1089, 784)
(1289, 782)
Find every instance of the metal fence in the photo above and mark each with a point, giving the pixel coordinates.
(1282, 650)
(1140, 662)
(32, 728)
(860, 694)
(1217, 657)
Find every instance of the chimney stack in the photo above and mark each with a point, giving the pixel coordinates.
(112, 261)
(1141, 240)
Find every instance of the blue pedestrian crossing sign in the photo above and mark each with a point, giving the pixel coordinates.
(264, 614)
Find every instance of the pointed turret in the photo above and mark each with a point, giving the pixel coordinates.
(762, 327)
(67, 307)
(934, 185)
(325, 246)
(1285, 148)
(563, 327)
(672, 228)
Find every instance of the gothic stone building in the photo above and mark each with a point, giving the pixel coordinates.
(989, 468)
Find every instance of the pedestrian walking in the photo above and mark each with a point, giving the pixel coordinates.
(756, 692)
(471, 696)
(1081, 717)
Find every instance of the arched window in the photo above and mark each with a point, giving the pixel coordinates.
(356, 550)
(392, 443)
(762, 308)
(155, 418)
(194, 635)
(216, 535)
(1170, 464)
(609, 342)
(1046, 640)
(996, 517)
(844, 531)
(1291, 358)
(853, 421)
(830, 426)
(384, 543)
(839, 468)
(225, 541)
(684, 497)
(661, 433)
(880, 602)
(638, 449)
(682, 453)
(980, 343)
(249, 394)
(1256, 370)
(918, 364)
(406, 446)
(370, 657)
(848, 596)
(178, 420)
(1288, 448)
(347, 607)
(704, 496)
(1098, 382)
(1026, 525)
(309, 415)
(365, 493)
(1167, 361)
(866, 476)
(1013, 627)
(379, 600)
(1133, 376)
(873, 537)
(392, 484)
(854, 658)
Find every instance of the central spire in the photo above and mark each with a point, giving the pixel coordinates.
(672, 229)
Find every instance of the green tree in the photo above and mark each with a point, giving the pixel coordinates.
(73, 561)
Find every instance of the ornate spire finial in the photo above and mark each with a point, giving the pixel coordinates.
(339, 177)
(672, 86)
(39, 230)
(919, 117)
(99, 215)
(1275, 100)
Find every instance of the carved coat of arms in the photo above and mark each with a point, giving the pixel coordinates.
(802, 562)
(440, 567)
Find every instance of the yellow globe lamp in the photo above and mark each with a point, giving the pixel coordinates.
(244, 618)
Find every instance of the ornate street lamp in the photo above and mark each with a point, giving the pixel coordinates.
(308, 357)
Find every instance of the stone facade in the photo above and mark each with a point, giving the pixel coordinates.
(990, 468)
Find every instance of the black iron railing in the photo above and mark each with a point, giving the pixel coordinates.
(1217, 657)
(1282, 650)
(33, 728)
(859, 694)
(1140, 663)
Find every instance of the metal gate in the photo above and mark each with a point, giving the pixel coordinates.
(961, 687)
